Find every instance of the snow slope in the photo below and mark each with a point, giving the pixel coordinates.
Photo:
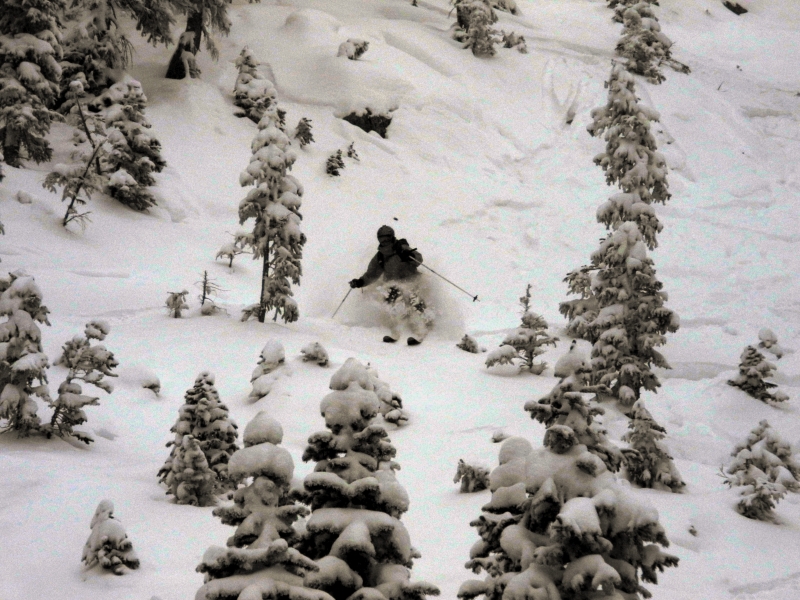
(481, 171)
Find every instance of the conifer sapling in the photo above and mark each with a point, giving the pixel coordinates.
(334, 164)
(176, 303)
(314, 352)
(302, 133)
(473, 478)
(108, 544)
(646, 462)
(753, 369)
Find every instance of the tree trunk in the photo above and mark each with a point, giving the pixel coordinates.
(11, 147)
(194, 25)
(262, 309)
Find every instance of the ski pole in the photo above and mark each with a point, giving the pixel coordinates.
(474, 298)
(342, 302)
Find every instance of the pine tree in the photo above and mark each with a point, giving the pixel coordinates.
(176, 303)
(765, 469)
(108, 544)
(354, 533)
(187, 475)
(30, 48)
(559, 525)
(468, 344)
(315, 352)
(264, 376)
(753, 369)
(134, 153)
(258, 561)
(334, 164)
(202, 17)
(302, 133)
(474, 20)
(253, 92)
(527, 341)
(274, 203)
(87, 363)
(23, 359)
(646, 462)
(204, 418)
(353, 48)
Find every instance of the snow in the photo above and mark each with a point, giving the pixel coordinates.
(483, 175)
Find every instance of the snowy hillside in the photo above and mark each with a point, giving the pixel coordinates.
(488, 169)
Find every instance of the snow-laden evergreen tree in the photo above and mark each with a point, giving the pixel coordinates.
(632, 319)
(22, 360)
(303, 135)
(134, 153)
(108, 544)
(202, 18)
(473, 478)
(514, 40)
(570, 419)
(753, 369)
(209, 289)
(631, 158)
(266, 373)
(315, 352)
(765, 468)
(229, 251)
(647, 463)
(89, 364)
(559, 525)
(84, 176)
(354, 533)
(204, 418)
(769, 342)
(527, 341)
(176, 303)
(474, 20)
(353, 48)
(258, 560)
(334, 164)
(643, 46)
(274, 203)
(582, 310)
(253, 92)
(30, 47)
(351, 152)
(620, 6)
(391, 404)
(469, 344)
(187, 475)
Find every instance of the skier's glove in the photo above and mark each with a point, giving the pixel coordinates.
(403, 250)
(357, 283)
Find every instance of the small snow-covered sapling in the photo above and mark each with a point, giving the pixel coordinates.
(229, 251)
(314, 352)
(647, 463)
(176, 303)
(334, 164)
(765, 468)
(108, 544)
(469, 344)
(753, 369)
(472, 478)
(514, 40)
(209, 288)
(264, 376)
(302, 133)
(351, 152)
(769, 341)
(353, 48)
(252, 92)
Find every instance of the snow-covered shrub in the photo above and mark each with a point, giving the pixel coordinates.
(473, 478)
(302, 133)
(334, 164)
(574, 361)
(632, 319)
(753, 369)
(176, 303)
(315, 352)
(134, 153)
(528, 341)
(370, 121)
(559, 525)
(514, 40)
(253, 92)
(647, 463)
(469, 344)
(473, 28)
(274, 203)
(631, 158)
(22, 359)
(765, 468)
(353, 48)
(354, 533)
(570, 419)
(30, 46)
(187, 475)
(258, 561)
(108, 544)
(263, 377)
(769, 341)
(87, 363)
(204, 418)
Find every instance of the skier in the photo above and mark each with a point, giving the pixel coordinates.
(396, 261)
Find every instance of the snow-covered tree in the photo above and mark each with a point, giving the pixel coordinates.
(643, 45)
(134, 153)
(266, 372)
(559, 525)
(351, 152)
(647, 463)
(209, 289)
(204, 418)
(187, 475)
(631, 158)
(274, 203)
(474, 20)
(315, 352)
(765, 469)
(769, 341)
(353, 48)
(302, 133)
(753, 369)
(354, 533)
(632, 319)
(473, 478)
(258, 561)
(229, 251)
(570, 418)
(30, 47)
(108, 544)
(582, 310)
(176, 303)
(527, 341)
(22, 360)
(469, 344)
(202, 18)
(514, 40)
(253, 92)
(391, 404)
(334, 164)
(87, 363)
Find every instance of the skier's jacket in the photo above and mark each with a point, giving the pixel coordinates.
(395, 263)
